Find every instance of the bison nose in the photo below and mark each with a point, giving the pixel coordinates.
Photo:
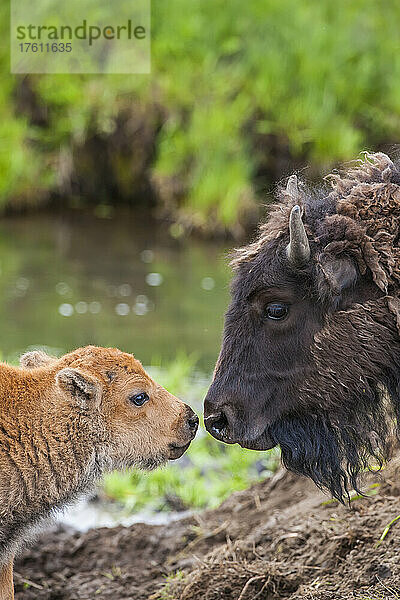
(216, 424)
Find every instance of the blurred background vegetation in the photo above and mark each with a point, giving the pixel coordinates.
(127, 169)
(240, 93)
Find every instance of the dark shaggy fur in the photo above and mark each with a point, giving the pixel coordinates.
(324, 384)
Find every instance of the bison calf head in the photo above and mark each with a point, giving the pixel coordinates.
(129, 419)
(310, 358)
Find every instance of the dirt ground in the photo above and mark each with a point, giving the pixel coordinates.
(280, 539)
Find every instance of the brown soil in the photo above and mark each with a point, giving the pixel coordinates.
(280, 539)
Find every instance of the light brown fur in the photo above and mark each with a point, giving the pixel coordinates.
(64, 422)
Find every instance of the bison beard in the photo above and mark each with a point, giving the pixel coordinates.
(334, 455)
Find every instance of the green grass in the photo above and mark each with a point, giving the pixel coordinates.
(238, 83)
(208, 472)
(213, 472)
(387, 529)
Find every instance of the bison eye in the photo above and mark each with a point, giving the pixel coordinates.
(277, 311)
(139, 399)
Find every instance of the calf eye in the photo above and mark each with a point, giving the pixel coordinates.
(139, 399)
(277, 311)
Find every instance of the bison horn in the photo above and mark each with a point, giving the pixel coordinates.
(292, 187)
(298, 249)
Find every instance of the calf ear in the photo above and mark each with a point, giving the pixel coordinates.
(80, 386)
(36, 358)
(335, 275)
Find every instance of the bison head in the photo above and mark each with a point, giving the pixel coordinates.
(310, 358)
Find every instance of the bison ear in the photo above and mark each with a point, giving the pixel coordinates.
(80, 386)
(335, 275)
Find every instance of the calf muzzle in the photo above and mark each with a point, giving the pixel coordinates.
(189, 430)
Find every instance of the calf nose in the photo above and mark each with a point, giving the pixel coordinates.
(192, 422)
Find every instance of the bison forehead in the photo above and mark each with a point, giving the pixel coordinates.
(104, 361)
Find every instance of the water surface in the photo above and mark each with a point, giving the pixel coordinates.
(72, 279)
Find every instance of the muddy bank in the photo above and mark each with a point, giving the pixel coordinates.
(280, 539)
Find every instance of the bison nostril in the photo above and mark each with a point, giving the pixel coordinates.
(217, 423)
(193, 423)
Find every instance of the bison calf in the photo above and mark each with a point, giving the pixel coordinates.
(64, 422)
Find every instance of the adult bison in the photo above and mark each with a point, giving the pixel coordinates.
(310, 358)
